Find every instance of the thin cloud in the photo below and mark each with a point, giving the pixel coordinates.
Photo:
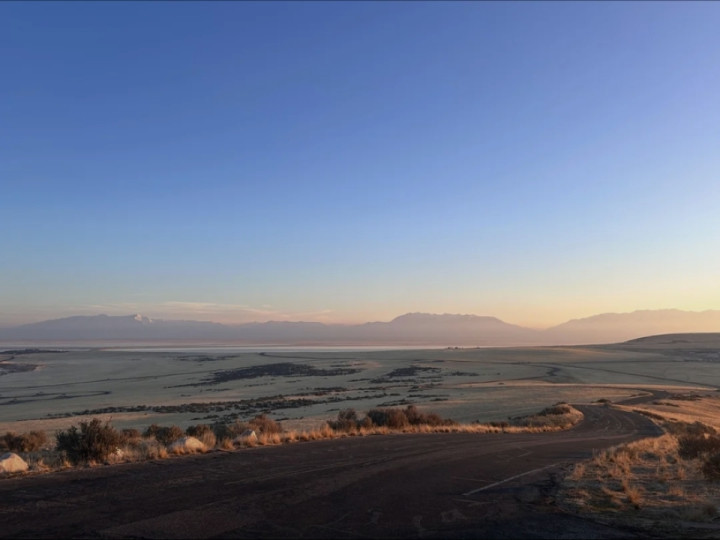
(211, 311)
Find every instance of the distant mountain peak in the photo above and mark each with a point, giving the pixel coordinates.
(444, 317)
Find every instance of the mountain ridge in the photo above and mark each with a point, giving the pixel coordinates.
(415, 328)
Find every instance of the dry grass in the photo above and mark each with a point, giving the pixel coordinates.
(661, 485)
(154, 442)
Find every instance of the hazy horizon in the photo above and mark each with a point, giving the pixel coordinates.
(147, 317)
(350, 162)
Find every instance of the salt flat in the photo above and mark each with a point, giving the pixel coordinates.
(304, 387)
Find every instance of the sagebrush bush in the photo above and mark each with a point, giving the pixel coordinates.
(93, 442)
(390, 418)
(151, 430)
(197, 430)
(222, 432)
(26, 442)
(347, 420)
(692, 446)
(684, 428)
(557, 409)
(265, 425)
(711, 467)
(417, 418)
(164, 435)
(168, 435)
(131, 434)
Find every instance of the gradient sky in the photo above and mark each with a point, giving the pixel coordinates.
(346, 162)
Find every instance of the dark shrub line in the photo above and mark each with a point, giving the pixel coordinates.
(348, 420)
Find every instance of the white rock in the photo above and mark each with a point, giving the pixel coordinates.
(10, 463)
(186, 444)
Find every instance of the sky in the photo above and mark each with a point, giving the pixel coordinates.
(347, 162)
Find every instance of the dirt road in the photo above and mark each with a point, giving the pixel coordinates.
(407, 485)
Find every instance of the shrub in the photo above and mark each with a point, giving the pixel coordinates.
(388, 418)
(151, 431)
(238, 428)
(265, 425)
(93, 442)
(164, 435)
(27, 442)
(683, 428)
(168, 435)
(222, 432)
(130, 434)
(392, 418)
(691, 446)
(711, 467)
(203, 433)
(557, 409)
(198, 430)
(347, 420)
(417, 418)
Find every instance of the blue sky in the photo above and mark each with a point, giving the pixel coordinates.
(345, 162)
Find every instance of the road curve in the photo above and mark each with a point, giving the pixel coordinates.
(403, 486)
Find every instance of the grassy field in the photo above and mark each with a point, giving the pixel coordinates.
(52, 390)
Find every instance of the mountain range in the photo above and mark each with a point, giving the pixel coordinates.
(418, 329)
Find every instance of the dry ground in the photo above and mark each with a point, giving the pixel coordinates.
(648, 485)
(303, 389)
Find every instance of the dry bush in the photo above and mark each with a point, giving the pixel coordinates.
(203, 433)
(27, 442)
(197, 430)
(578, 471)
(559, 416)
(151, 431)
(225, 444)
(223, 435)
(693, 446)
(268, 438)
(711, 467)
(418, 418)
(238, 428)
(208, 439)
(557, 409)
(685, 429)
(164, 435)
(634, 493)
(131, 435)
(147, 450)
(264, 425)
(93, 442)
(347, 420)
(409, 419)
(290, 437)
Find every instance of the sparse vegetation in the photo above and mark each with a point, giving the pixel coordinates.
(203, 433)
(92, 443)
(559, 416)
(164, 435)
(396, 419)
(668, 479)
(27, 442)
